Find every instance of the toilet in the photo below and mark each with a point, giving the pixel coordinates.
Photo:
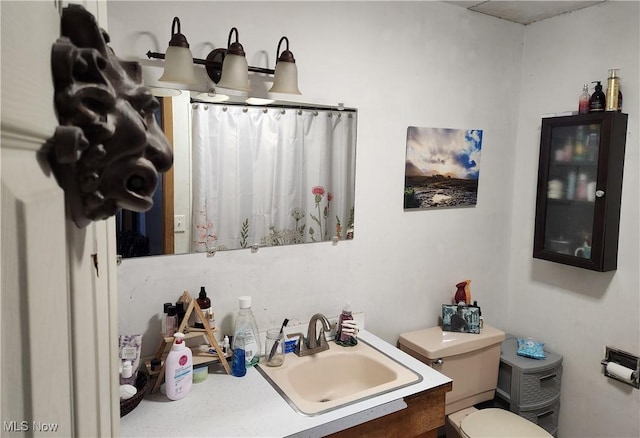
(472, 362)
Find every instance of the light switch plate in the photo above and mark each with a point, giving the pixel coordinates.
(179, 225)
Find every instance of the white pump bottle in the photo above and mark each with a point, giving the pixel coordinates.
(178, 374)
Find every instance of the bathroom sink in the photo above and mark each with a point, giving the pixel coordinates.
(340, 376)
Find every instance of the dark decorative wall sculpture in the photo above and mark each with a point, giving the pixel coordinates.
(108, 149)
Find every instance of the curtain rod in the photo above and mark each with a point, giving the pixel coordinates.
(278, 106)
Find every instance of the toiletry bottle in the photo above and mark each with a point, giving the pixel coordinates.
(343, 338)
(579, 150)
(613, 88)
(180, 311)
(171, 324)
(247, 329)
(226, 346)
(126, 373)
(163, 318)
(583, 102)
(581, 187)
(178, 371)
(598, 99)
(571, 185)
(619, 100)
(593, 143)
(581, 142)
(239, 363)
(156, 364)
(568, 149)
(205, 306)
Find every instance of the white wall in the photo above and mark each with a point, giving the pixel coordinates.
(400, 64)
(432, 65)
(575, 311)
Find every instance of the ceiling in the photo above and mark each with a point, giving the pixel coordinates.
(524, 12)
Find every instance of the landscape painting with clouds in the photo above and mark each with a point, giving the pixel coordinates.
(442, 167)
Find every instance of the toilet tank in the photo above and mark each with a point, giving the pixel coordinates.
(470, 360)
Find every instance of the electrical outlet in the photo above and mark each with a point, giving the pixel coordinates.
(179, 225)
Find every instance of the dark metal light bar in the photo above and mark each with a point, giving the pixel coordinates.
(215, 66)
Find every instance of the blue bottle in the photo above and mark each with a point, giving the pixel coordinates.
(238, 366)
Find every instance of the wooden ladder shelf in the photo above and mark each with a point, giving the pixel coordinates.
(198, 356)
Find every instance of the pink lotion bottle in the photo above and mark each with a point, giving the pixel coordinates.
(583, 102)
(178, 372)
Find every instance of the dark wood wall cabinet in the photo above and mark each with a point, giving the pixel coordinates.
(580, 190)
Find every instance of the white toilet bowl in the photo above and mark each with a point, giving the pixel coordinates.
(492, 423)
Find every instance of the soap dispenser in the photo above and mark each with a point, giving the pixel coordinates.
(178, 372)
(598, 99)
(343, 338)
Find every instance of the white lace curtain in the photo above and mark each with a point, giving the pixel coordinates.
(271, 176)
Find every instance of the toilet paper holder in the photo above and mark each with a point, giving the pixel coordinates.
(627, 360)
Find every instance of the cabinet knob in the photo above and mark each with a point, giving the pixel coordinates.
(599, 193)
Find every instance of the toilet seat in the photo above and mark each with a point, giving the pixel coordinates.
(499, 423)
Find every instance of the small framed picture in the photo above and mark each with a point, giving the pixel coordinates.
(464, 319)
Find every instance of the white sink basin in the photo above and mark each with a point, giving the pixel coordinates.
(336, 377)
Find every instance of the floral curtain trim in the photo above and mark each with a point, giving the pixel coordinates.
(319, 230)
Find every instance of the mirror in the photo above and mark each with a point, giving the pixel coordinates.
(247, 176)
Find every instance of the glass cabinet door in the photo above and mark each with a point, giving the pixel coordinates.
(571, 189)
(579, 157)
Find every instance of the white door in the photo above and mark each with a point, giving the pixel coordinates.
(58, 318)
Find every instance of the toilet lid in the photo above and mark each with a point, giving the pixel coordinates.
(498, 423)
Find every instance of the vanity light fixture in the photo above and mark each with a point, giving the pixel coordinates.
(286, 75)
(235, 70)
(178, 59)
(228, 67)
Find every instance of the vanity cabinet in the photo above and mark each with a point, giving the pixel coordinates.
(579, 190)
(421, 418)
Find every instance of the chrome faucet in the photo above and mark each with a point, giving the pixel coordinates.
(315, 342)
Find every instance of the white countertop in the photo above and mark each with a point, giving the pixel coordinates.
(228, 406)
